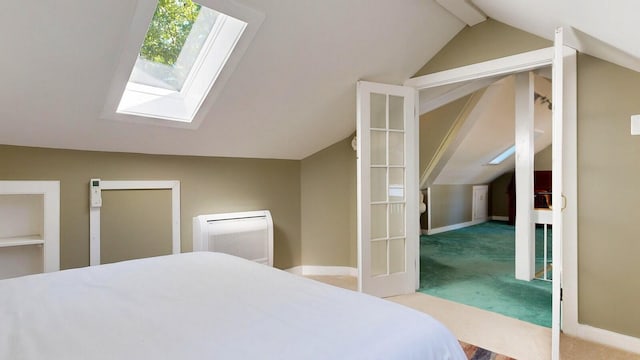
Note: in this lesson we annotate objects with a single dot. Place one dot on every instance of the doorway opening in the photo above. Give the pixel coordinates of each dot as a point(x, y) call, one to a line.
point(468, 249)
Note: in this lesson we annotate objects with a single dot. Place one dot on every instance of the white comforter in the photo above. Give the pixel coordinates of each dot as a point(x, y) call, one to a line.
point(205, 306)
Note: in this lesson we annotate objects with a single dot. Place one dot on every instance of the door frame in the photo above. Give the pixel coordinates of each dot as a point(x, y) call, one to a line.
point(519, 63)
point(94, 210)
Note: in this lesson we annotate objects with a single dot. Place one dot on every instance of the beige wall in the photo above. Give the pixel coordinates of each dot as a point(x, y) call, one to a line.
point(328, 182)
point(135, 224)
point(485, 41)
point(542, 160)
point(208, 185)
point(451, 204)
point(608, 196)
point(608, 172)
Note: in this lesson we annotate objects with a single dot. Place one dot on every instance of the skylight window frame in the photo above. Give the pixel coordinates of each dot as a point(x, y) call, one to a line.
point(175, 107)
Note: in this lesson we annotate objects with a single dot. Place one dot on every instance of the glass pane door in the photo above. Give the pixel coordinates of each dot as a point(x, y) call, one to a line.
point(387, 182)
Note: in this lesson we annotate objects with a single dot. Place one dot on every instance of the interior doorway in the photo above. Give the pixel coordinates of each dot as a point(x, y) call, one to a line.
point(465, 258)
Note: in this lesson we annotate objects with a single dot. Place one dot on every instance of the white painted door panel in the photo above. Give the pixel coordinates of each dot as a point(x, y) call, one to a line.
point(388, 208)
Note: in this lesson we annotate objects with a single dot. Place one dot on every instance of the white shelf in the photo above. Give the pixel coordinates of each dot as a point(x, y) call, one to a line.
point(21, 241)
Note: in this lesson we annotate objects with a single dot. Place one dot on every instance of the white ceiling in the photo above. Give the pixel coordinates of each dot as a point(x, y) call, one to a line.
point(605, 29)
point(293, 92)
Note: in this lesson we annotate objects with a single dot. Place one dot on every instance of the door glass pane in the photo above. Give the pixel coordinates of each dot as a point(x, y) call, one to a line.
point(378, 148)
point(396, 220)
point(396, 184)
point(378, 184)
point(396, 256)
point(378, 221)
point(378, 111)
point(396, 148)
point(379, 257)
point(396, 112)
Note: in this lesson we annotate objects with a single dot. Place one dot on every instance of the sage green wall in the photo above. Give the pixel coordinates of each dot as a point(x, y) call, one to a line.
point(608, 196)
point(328, 182)
point(608, 172)
point(485, 41)
point(543, 159)
point(123, 236)
point(450, 204)
point(208, 185)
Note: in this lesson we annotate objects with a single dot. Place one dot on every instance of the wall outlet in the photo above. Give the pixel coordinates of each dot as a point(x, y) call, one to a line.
point(635, 124)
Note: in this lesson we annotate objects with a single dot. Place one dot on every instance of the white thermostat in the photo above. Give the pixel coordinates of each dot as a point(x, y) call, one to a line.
point(95, 193)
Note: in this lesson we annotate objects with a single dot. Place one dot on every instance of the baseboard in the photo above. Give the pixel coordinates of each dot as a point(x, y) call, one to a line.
point(424, 231)
point(605, 337)
point(500, 218)
point(455, 226)
point(312, 270)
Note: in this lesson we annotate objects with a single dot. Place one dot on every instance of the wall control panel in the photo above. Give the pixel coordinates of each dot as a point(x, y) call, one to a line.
point(95, 193)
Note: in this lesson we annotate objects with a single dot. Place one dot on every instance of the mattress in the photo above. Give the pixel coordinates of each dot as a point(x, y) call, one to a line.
point(206, 305)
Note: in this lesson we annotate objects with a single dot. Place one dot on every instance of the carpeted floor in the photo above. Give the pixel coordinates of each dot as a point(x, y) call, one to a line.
point(475, 266)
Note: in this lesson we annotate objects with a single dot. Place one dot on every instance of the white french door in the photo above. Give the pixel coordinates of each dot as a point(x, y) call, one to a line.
point(388, 209)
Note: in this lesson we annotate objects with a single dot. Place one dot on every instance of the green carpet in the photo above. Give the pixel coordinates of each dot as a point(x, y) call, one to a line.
point(475, 266)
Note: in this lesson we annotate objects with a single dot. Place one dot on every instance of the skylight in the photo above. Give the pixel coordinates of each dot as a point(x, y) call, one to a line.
point(188, 50)
point(512, 150)
point(503, 156)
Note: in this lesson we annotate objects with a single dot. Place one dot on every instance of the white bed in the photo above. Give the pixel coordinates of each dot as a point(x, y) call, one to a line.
point(204, 306)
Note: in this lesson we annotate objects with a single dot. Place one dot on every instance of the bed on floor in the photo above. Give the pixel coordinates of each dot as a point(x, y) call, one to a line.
point(206, 305)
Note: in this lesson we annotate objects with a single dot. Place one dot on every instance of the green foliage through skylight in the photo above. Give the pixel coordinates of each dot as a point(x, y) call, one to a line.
point(168, 31)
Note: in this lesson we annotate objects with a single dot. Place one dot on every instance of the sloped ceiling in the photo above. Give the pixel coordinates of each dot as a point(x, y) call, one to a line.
point(604, 29)
point(292, 94)
point(492, 130)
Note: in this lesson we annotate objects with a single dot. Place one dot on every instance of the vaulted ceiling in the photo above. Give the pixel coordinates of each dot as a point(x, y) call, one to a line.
point(292, 93)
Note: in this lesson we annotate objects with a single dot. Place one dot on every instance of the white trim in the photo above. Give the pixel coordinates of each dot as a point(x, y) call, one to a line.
point(499, 67)
point(316, 270)
point(50, 191)
point(499, 218)
point(524, 160)
point(429, 224)
point(605, 337)
point(455, 226)
point(94, 212)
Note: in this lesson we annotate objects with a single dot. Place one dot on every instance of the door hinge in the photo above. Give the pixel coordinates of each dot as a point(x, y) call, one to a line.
point(561, 294)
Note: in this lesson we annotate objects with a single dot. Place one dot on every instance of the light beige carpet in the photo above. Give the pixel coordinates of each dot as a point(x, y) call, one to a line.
point(511, 337)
